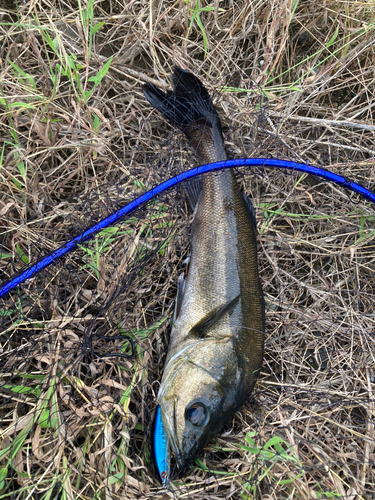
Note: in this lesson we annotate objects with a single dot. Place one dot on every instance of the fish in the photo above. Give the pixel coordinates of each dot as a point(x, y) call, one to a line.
point(217, 337)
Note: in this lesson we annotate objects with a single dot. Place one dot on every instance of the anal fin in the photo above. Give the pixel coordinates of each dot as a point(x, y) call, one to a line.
point(180, 295)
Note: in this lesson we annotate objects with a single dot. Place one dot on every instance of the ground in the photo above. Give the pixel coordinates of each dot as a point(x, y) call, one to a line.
point(290, 79)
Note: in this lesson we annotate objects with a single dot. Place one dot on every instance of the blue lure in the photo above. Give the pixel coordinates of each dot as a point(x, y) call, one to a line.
point(161, 448)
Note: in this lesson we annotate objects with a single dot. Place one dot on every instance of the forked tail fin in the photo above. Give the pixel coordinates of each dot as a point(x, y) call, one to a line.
point(189, 107)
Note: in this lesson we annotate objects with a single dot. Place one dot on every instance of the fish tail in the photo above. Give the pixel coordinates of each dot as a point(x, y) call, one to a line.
point(189, 107)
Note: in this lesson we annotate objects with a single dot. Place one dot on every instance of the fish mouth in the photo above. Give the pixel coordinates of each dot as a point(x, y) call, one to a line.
point(183, 461)
point(170, 425)
point(182, 458)
point(185, 458)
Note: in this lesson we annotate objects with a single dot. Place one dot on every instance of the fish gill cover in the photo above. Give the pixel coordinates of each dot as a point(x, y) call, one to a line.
point(78, 140)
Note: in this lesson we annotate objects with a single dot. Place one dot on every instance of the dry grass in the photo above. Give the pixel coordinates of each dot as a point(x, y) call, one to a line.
point(292, 79)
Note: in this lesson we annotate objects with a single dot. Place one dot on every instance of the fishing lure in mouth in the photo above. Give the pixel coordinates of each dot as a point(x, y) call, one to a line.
point(161, 448)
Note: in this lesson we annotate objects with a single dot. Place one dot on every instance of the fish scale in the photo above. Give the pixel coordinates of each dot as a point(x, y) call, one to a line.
point(217, 337)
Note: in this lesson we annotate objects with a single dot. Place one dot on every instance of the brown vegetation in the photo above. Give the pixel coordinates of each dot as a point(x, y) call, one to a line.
point(291, 79)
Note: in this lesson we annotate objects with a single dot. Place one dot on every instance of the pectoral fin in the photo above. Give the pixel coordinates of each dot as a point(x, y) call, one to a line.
point(201, 328)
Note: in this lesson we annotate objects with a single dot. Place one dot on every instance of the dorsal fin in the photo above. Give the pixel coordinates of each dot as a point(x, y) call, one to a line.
point(201, 328)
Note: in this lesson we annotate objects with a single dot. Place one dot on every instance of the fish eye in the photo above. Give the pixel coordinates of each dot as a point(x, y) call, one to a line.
point(196, 414)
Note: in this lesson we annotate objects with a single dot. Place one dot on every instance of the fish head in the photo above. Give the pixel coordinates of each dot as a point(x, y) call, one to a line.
point(198, 395)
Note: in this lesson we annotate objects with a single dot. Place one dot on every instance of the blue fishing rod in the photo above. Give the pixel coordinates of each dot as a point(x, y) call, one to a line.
point(71, 245)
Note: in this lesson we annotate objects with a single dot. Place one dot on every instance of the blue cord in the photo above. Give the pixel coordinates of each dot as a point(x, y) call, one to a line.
point(33, 269)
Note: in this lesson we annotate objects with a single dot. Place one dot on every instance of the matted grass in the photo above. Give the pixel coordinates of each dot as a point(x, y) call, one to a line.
point(291, 79)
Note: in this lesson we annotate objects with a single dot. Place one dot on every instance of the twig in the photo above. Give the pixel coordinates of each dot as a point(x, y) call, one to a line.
point(327, 123)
